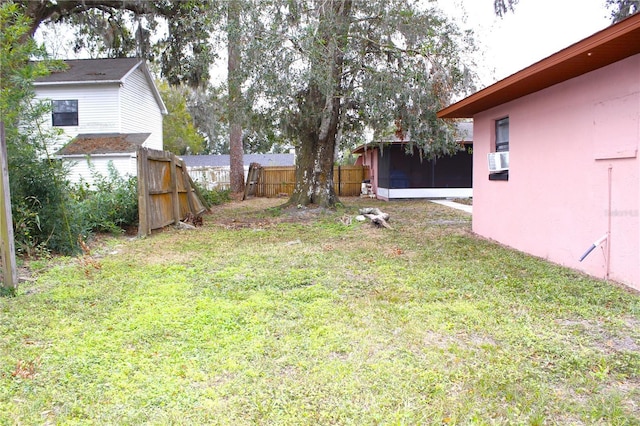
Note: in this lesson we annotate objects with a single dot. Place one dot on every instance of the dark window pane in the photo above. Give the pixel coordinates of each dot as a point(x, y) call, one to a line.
point(65, 119)
point(65, 106)
point(65, 113)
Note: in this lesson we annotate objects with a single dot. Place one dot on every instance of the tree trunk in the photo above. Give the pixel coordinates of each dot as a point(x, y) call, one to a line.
point(234, 81)
point(315, 156)
point(319, 112)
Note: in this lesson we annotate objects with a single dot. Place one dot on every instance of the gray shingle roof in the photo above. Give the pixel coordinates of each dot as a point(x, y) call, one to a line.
point(92, 70)
point(223, 160)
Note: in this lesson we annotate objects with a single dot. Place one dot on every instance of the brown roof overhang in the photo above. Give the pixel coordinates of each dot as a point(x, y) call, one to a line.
point(104, 143)
point(377, 145)
point(610, 45)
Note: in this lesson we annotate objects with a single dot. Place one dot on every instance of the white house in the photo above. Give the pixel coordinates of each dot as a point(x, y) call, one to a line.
point(106, 108)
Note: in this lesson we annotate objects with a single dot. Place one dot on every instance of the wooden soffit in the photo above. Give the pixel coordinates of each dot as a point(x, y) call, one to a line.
point(606, 47)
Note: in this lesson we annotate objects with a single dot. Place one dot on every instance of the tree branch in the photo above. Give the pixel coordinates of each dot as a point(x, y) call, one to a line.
point(43, 11)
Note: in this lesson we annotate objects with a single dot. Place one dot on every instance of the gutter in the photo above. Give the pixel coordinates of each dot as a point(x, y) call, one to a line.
point(68, 83)
point(113, 154)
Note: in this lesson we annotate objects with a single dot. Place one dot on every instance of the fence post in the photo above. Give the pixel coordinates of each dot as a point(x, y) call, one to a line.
point(187, 185)
point(175, 195)
point(144, 228)
point(7, 248)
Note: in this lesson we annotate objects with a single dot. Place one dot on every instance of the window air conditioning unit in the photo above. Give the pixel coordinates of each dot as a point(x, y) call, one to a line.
point(498, 161)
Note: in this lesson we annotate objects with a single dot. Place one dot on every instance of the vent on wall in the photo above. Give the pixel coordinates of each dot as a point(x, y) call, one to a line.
point(498, 161)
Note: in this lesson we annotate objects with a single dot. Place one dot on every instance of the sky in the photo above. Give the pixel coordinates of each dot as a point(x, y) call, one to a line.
point(536, 30)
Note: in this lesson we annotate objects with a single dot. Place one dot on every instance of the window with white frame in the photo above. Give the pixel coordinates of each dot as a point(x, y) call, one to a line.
point(64, 113)
point(499, 160)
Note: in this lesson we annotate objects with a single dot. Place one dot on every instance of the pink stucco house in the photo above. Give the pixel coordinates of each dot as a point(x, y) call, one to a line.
point(569, 126)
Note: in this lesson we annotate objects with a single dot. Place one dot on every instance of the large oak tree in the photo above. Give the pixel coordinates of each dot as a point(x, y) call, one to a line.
point(327, 70)
point(322, 70)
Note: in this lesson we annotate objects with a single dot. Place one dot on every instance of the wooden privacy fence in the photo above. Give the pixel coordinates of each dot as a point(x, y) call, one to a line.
point(275, 181)
point(166, 193)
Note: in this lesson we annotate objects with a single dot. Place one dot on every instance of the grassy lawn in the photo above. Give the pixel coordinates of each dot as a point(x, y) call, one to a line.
point(266, 316)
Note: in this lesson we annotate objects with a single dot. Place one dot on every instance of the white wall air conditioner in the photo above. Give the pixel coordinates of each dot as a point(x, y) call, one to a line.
point(498, 161)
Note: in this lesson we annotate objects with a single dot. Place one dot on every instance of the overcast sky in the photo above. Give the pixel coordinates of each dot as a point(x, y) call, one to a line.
point(537, 29)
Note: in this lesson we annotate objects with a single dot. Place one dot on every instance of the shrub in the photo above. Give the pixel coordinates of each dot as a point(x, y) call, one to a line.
point(213, 196)
point(39, 196)
point(110, 204)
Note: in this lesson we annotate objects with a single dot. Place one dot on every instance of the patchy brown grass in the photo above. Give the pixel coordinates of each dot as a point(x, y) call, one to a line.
point(272, 315)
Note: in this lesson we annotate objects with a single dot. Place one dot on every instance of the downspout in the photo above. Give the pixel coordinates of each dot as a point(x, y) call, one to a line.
point(593, 246)
point(609, 185)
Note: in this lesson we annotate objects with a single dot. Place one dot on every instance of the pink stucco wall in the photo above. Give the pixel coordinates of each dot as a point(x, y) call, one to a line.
point(370, 158)
point(574, 173)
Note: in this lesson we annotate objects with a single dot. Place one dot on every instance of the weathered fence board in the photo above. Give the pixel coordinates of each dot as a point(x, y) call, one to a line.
point(348, 179)
point(253, 176)
point(276, 181)
point(165, 191)
point(7, 243)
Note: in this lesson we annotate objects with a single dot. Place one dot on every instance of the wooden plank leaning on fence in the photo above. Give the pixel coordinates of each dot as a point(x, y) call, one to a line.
point(165, 191)
point(7, 246)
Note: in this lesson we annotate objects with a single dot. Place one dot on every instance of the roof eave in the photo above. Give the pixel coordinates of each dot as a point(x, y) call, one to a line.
point(590, 54)
point(152, 84)
point(103, 154)
point(75, 82)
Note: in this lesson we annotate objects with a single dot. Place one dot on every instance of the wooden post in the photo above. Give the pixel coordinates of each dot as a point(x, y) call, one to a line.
point(195, 189)
point(175, 195)
point(187, 184)
point(144, 227)
point(7, 246)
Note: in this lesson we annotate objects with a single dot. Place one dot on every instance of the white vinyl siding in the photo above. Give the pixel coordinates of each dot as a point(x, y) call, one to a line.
point(140, 110)
point(81, 170)
point(126, 106)
point(98, 107)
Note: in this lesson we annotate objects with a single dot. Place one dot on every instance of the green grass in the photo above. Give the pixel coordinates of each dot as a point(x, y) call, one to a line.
point(273, 316)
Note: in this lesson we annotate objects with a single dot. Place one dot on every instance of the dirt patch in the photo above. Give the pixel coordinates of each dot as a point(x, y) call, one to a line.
point(465, 201)
point(261, 213)
point(417, 216)
point(421, 218)
point(604, 340)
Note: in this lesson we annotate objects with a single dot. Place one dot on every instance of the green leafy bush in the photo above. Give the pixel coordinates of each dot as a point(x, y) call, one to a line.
point(213, 196)
point(39, 195)
point(110, 205)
